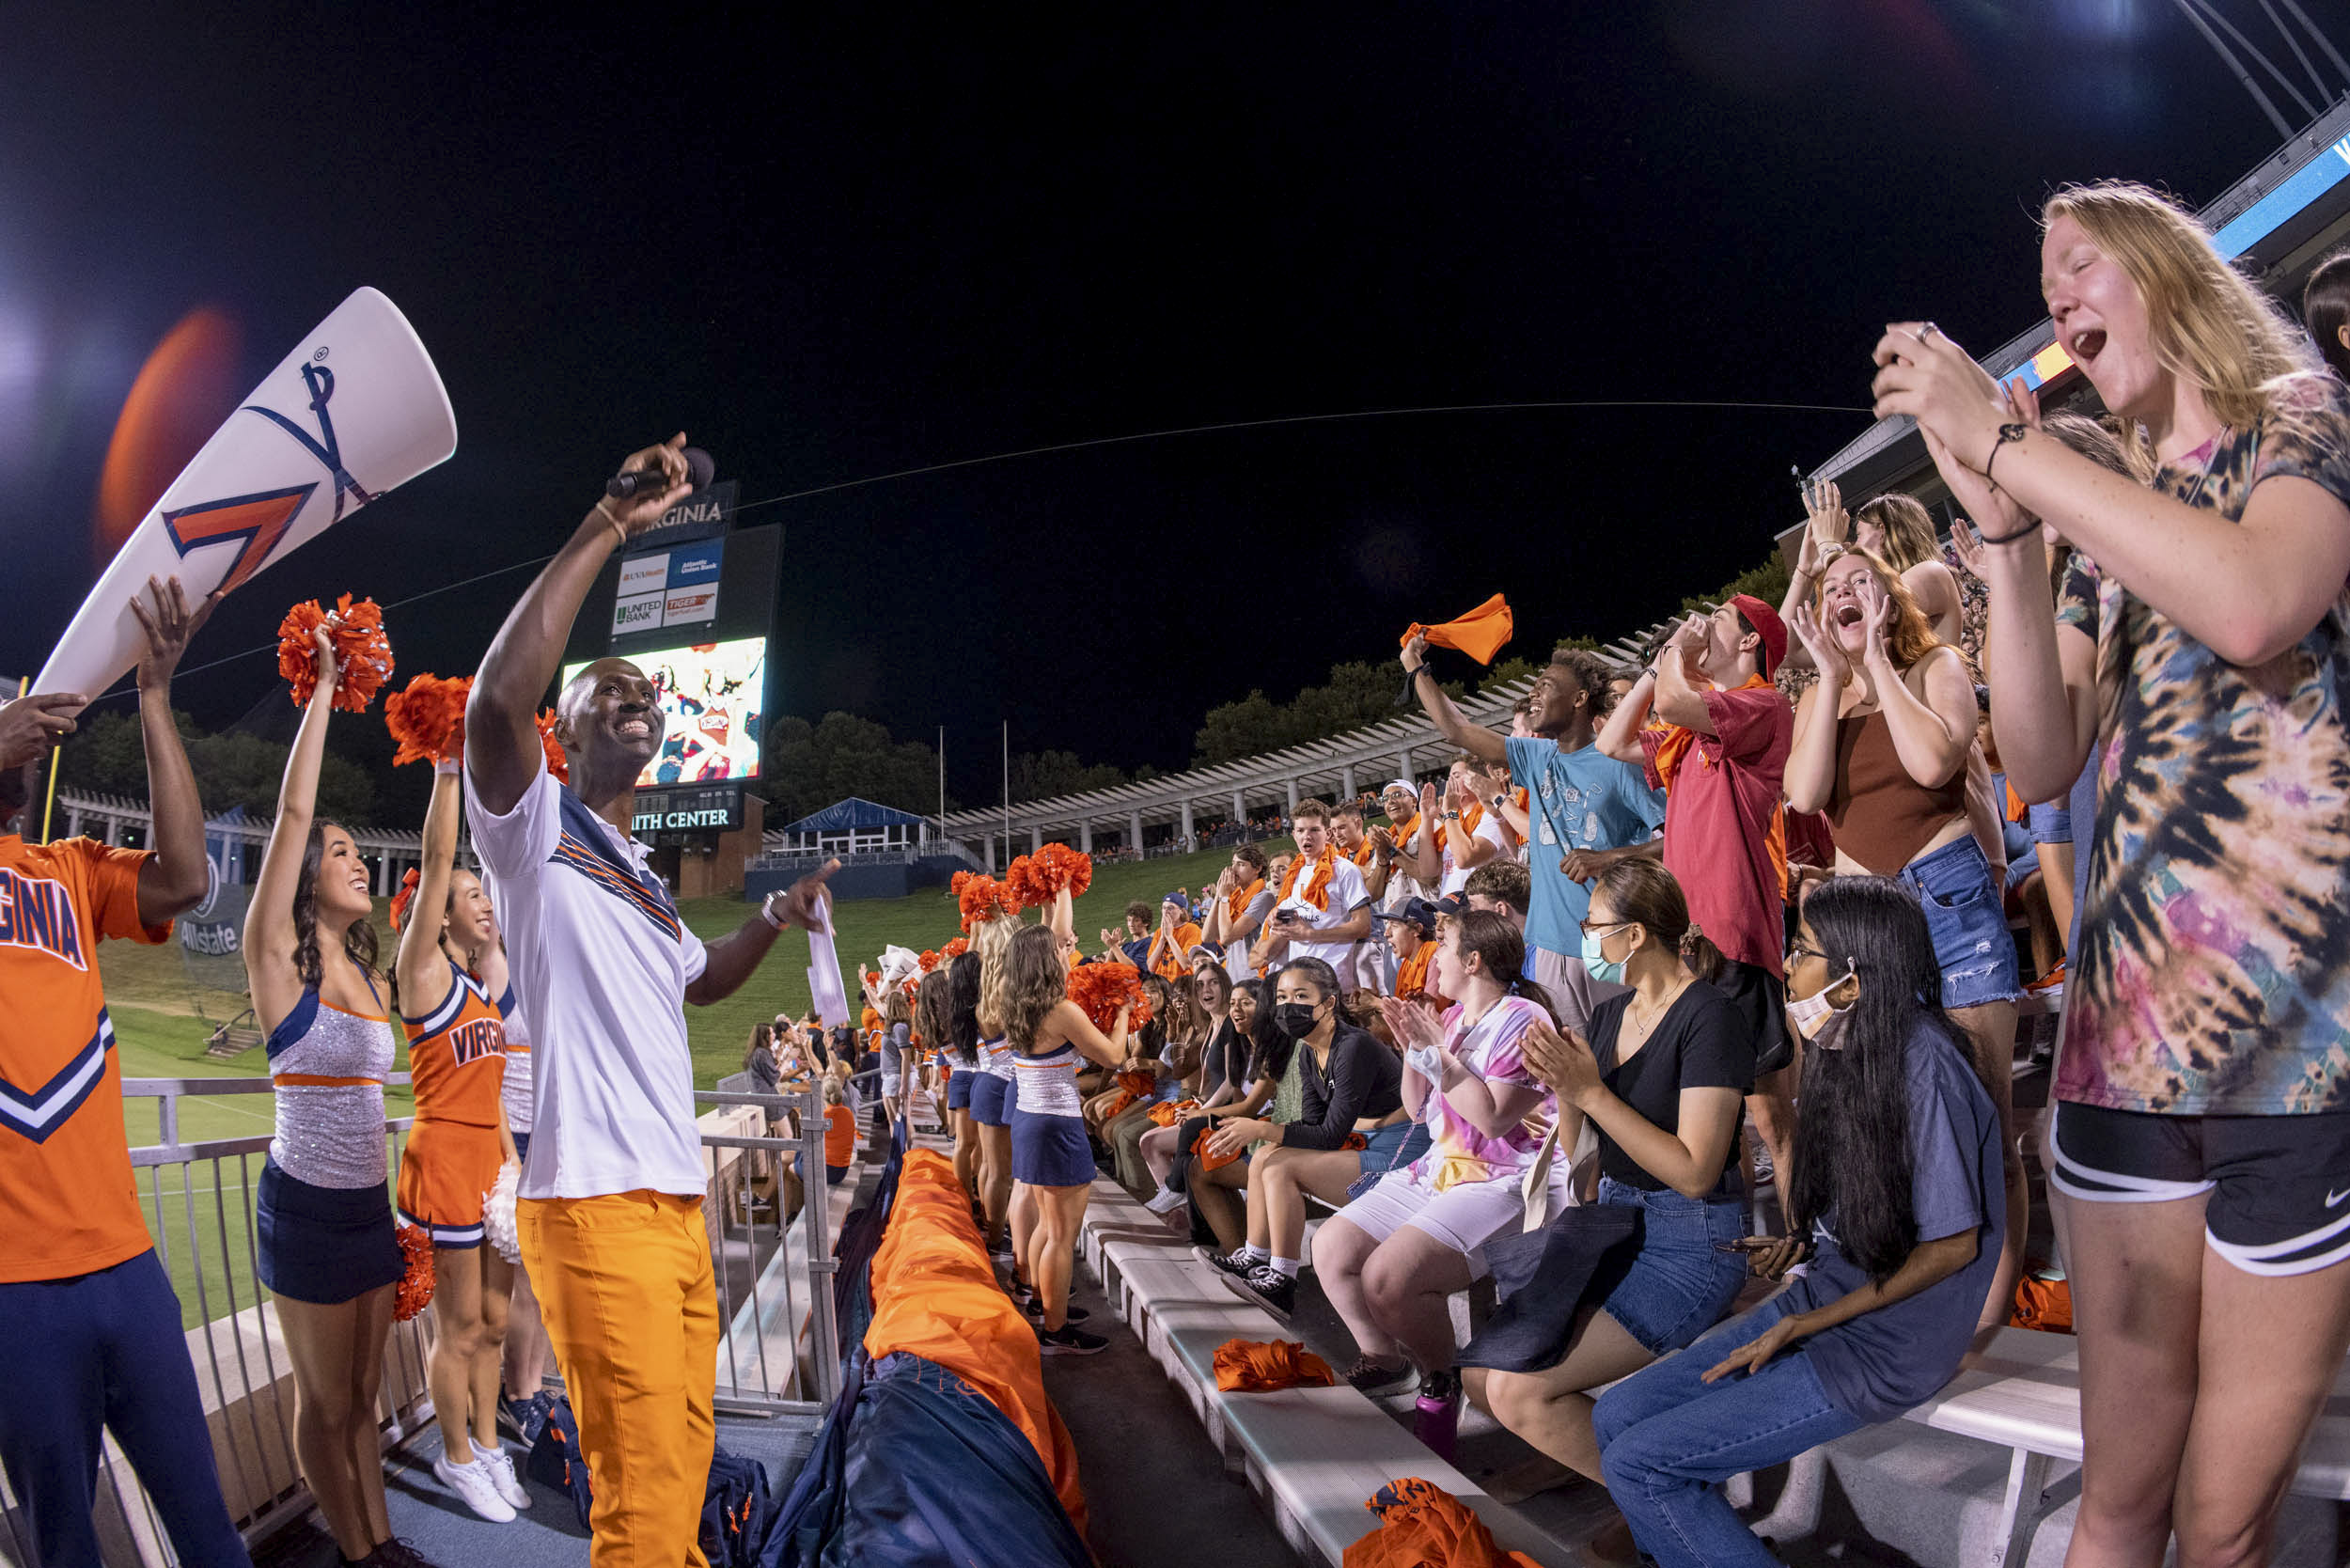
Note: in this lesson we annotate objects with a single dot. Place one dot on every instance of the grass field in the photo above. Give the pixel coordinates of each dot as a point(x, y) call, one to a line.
point(160, 1033)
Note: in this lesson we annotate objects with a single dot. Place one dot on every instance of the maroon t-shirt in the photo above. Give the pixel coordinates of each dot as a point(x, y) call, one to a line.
point(1721, 809)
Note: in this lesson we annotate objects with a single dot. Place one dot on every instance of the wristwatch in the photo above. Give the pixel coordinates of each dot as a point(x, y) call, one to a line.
point(1496, 801)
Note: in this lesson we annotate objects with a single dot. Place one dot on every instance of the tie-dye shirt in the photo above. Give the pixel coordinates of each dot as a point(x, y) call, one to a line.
point(2212, 974)
point(1457, 1151)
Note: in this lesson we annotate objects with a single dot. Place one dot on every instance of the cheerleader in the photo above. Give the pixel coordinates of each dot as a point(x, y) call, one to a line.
point(457, 1059)
point(323, 1212)
point(1051, 1164)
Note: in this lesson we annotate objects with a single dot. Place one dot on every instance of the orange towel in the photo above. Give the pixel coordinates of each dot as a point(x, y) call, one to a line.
point(1200, 1147)
point(1258, 1367)
point(935, 1296)
point(1168, 1112)
point(1423, 1525)
point(1134, 1087)
point(1479, 633)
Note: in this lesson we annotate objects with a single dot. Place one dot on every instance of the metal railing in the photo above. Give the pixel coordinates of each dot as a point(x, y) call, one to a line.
point(780, 1353)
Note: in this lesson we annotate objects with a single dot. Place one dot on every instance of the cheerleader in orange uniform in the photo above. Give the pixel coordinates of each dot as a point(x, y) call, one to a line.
point(457, 1061)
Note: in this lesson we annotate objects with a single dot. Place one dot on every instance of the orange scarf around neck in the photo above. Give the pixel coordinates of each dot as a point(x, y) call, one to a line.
point(1236, 902)
point(1318, 889)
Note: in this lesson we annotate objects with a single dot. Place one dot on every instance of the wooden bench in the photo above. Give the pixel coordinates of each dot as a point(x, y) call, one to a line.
point(2023, 1393)
point(1314, 1456)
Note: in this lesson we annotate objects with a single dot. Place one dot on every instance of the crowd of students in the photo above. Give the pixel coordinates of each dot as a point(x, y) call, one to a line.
point(1756, 886)
point(1764, 885)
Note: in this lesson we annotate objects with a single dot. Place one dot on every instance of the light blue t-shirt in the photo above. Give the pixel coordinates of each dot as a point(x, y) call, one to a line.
point(1581, 800)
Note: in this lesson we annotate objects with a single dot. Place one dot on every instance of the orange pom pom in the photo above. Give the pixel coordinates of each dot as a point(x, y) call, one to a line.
point(957, 948)
point(1035, 879)
point(558, 764)
point(982, 897)
point(428, 719)
point(415, 1286)
point(928, 961)
point(401, 900)
point(1102, 989)
point(363, 655)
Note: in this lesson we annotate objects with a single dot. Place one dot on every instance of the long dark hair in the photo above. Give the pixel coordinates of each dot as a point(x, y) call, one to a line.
point(1495, 937)
point(1852, 1132)
point(358, 941)
point(962, 1007)
point(929, 1010)
point(1268, 1048)
point(1039, 982)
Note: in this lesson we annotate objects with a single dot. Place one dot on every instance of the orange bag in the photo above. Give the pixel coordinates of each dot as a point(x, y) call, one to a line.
point(1423, 1525)
point(2043, 1303)
point(1258, 1367)
point(935, 1296)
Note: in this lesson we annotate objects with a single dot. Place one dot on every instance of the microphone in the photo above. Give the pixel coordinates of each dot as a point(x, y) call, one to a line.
point(651, 481)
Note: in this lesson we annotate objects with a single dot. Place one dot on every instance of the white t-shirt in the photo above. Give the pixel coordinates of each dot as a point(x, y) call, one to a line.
point(601, 961)
point(1346, 895)
point(1489, 828)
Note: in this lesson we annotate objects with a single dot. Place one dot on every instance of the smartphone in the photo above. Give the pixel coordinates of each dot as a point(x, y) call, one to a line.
point(1744, 1244)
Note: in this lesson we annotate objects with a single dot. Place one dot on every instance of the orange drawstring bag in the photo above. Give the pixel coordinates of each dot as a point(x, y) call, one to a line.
point(1423, 1525)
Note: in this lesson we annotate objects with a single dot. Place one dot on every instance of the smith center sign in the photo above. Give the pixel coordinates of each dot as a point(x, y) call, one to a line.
point(676, 587)
point(686, 809)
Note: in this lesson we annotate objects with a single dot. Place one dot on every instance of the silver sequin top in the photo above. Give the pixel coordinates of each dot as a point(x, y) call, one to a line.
point(328, 1068)
point(1048, 1084)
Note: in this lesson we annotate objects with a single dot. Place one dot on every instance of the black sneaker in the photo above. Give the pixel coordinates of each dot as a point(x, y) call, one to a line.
point(397, 1553)
point(1237, 1263)
point(1377, 1378)
point(1269, 1288)
point(1035, 1309)
point(1069, 1340)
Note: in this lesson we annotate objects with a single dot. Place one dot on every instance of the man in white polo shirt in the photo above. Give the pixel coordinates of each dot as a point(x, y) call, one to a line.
point(610, 1210)
point(1320, 908)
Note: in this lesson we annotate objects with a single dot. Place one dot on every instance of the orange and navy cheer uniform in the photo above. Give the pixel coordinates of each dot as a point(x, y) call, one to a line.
point(457, 1061)
point(92, 1323)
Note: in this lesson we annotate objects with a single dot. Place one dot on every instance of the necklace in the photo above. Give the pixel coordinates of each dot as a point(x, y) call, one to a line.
point(1645, 1024)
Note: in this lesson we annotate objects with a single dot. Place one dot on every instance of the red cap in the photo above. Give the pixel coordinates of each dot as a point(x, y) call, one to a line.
point(1766, 620)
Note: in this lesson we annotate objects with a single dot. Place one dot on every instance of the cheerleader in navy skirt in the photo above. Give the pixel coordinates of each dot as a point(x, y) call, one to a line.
point(1052, 1162)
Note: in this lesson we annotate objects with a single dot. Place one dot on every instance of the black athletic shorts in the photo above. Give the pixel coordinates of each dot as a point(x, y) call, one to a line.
point(2278, 1187)
point(1760, 999)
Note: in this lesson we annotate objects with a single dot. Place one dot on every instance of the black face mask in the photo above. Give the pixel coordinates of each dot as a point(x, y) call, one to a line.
point(1295, 1020)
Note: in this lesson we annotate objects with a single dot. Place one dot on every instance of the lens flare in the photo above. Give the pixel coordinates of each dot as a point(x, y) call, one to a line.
point(188, 385)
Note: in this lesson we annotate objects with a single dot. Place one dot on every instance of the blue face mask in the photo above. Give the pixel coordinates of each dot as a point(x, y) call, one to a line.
point(1609, 971)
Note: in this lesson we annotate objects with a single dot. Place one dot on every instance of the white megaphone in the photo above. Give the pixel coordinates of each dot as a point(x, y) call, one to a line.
point(355, 411)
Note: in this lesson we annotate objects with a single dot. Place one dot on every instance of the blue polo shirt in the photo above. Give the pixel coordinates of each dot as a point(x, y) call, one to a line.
point(1581, 800)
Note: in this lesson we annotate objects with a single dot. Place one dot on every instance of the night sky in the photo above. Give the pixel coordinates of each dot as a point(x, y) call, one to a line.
point(834, 247)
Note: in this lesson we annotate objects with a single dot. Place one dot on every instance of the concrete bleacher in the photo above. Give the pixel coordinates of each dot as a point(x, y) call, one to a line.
point(1313, 1456)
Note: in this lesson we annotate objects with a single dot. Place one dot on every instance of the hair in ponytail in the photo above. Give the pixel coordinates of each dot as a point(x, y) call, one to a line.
point(1494, 938)
point(1647, 895)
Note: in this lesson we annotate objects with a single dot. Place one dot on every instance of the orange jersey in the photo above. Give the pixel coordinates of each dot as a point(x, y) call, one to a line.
point(840, 1135)
point(456, 1055)
point(69, 1204)
point(714, 723)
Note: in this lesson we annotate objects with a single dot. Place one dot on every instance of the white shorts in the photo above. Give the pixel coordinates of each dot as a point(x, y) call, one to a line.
point(1462, 1217)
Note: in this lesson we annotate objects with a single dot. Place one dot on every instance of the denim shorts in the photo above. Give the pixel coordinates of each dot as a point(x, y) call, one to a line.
point(1967, 920)
point(2051, 823)
point(1681, 1283)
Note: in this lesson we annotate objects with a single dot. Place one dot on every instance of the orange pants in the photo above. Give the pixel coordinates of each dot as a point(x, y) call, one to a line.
point(631, 1309)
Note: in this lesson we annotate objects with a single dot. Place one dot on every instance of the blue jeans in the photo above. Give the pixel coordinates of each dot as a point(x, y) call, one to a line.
point(1681, 1283)
point(1669, 1440)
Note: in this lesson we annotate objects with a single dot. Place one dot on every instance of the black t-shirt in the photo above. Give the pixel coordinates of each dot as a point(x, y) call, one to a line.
point(1364, 1078)
point(1702, 1042)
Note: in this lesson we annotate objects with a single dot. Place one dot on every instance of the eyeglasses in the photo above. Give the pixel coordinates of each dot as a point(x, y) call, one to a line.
point(1600, 928)
point(1799, 951)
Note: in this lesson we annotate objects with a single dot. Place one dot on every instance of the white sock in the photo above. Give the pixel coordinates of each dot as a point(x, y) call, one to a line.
point(1253, 1254)
point(1287, 1265)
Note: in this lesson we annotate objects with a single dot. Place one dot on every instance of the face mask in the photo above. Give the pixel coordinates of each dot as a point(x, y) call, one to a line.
point(1609, 971)
point(1295, 1020)
point(1820, 1021)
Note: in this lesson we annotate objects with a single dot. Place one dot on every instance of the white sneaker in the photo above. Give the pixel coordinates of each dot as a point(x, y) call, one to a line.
point(474, 1487)
point(1162, 1202)
point(502, 1474)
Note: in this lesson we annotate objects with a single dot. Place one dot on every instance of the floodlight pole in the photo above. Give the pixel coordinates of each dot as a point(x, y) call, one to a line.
point(1007, 792)
point(2242, 75)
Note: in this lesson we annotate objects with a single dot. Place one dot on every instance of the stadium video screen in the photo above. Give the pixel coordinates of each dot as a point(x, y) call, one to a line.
point(711, 702)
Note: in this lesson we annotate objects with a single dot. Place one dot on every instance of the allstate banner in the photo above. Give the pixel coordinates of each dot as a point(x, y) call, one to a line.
point(356, 409)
